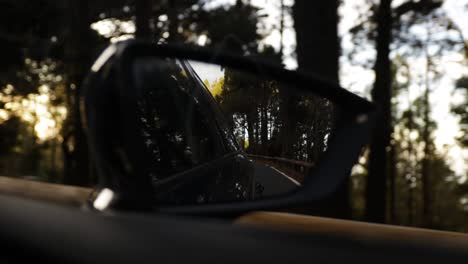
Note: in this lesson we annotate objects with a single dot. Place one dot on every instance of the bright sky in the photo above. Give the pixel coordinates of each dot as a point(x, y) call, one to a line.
point(206, 71)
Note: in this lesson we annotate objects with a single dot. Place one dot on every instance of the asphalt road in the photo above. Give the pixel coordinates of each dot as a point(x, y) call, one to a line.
point(274, 181)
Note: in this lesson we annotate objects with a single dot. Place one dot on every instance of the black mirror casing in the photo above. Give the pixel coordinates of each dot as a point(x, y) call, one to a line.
point(109, 103)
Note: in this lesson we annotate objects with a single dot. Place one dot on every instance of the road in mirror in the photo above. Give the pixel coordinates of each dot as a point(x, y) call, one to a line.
point(214, 134)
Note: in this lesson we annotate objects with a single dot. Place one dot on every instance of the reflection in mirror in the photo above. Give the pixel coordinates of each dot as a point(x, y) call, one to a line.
point(215, 134)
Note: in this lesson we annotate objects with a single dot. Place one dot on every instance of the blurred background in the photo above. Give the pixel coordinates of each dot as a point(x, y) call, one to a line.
point(407, 56)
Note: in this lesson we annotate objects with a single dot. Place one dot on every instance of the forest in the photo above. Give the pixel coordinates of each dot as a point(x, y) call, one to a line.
point(409, 57)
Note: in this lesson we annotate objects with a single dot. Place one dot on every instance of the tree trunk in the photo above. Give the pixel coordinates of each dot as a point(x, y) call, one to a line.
point(318, 50)
point(426, 138)
point(376, 191)
point(264, 129)
point(80, 52)
point(410, 204)
point(281, 49)
point(251, 133)
point(173, 22)
point(288, 122)
point(391, 182)
point(257, 112)
point(142, 22)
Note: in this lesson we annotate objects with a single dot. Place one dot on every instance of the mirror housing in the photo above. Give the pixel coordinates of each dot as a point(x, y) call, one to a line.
point(108, 105)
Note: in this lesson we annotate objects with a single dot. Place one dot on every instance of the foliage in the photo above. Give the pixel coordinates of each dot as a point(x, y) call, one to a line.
point(216, 88)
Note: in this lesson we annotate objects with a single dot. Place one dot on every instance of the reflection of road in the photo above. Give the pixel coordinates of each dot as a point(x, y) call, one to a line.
point(273, 181)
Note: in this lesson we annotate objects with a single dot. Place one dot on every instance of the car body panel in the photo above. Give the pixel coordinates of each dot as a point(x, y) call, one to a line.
point(42, 191)
point(352, 229)
point(55, 234)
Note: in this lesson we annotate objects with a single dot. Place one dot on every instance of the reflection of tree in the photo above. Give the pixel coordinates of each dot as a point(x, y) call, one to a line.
point(176, 128)
point(271, 119)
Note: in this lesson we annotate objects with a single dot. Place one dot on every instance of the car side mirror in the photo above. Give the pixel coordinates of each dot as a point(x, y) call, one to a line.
point(186, 130)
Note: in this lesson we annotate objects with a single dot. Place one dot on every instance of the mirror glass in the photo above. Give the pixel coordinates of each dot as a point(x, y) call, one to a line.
point(216, 134)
